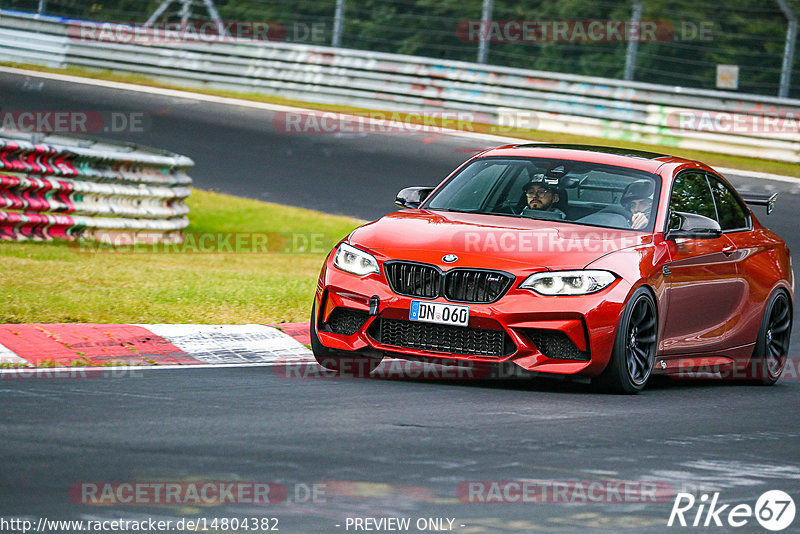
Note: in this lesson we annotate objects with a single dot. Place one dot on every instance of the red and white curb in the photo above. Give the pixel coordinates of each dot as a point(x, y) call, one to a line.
point(162, 345)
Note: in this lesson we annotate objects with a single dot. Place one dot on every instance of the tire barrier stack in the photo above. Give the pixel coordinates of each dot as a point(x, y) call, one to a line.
point(510, 99)
point(57, 187)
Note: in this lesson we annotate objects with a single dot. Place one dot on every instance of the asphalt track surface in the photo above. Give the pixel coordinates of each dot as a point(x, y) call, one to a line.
point(380, 447)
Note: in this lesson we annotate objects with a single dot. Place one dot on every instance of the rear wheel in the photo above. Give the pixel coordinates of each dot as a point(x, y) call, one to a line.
point(345, 363)
point(634, 347)
point(772, 346)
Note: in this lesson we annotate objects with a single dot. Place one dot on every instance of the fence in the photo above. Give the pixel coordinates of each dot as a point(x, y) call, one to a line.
point(66, 188)
point(745, 125)
point(693, 37)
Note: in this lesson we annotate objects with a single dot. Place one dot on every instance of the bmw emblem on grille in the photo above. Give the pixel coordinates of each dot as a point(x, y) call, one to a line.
point(449, 258)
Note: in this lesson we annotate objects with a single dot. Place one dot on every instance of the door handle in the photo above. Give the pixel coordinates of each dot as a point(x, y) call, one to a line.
point(728, 250)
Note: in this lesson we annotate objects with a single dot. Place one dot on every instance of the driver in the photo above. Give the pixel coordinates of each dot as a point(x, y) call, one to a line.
point(541, 196)
point(638, 199)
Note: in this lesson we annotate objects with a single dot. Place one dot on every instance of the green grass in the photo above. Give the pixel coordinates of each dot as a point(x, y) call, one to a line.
point(711, 158)
point(51, 282)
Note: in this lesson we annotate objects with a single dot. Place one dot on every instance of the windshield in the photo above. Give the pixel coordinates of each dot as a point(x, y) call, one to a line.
point(549, 189)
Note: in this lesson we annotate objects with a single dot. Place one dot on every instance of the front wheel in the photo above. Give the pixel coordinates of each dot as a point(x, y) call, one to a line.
point(344, 363)
point(634, 347)
point(772, 346)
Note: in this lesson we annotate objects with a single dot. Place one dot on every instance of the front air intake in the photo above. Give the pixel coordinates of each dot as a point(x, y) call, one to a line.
point(346, 321)
point(444, 338)
point(556, 345)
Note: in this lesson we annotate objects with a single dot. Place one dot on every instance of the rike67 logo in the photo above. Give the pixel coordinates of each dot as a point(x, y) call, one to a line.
point(774, 510)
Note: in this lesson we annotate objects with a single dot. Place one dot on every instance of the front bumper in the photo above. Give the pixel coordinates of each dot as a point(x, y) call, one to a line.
point(562, 335)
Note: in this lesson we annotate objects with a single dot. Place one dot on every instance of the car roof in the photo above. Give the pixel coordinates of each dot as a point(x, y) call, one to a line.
point(621, 157)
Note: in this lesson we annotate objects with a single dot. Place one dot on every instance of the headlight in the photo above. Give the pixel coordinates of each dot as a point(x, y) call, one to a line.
point(568, 282)
point(355, 261)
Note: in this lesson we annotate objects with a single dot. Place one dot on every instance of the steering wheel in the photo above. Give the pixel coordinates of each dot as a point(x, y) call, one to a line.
point(506, 207)
point(619, 210)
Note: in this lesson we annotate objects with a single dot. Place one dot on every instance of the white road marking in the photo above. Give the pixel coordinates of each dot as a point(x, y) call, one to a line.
point(220, 344)
point(6, 356)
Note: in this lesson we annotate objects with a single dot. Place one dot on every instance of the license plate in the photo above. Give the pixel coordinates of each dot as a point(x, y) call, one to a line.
point(436, 312)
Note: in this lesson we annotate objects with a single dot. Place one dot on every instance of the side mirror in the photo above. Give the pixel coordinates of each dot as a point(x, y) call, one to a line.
point(412, 197)
point(692, 225)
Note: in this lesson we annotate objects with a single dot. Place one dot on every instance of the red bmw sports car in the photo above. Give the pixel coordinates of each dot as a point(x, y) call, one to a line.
point(602, 263)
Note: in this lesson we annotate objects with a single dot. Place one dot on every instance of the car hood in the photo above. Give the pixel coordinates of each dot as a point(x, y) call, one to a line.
point(490, 241)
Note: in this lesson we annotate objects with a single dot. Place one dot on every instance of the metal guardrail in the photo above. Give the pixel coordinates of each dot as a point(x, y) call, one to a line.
point(716, 121)
point(55, 187)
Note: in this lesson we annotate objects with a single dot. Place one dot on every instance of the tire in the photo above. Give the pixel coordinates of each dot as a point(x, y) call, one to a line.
point(344, 363)
point(635, 345)
point(772, 345)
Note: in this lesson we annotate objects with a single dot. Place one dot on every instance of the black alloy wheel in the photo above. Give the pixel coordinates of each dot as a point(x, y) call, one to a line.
point(635, 346)
point(772, 346)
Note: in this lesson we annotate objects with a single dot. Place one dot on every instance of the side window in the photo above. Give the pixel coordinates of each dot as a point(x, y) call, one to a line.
point(732, 215)
point(691, 194)
point(470, 191)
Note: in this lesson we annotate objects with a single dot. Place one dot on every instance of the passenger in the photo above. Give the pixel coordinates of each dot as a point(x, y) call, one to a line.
point(638, 199)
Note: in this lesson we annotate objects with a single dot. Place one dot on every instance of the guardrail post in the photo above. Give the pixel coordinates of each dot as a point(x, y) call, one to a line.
point(42, 7)
point(633, 39)
point(186, 13)
point(338, 24)
point(788, 50)
point(483, 41)
point(157, 13)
